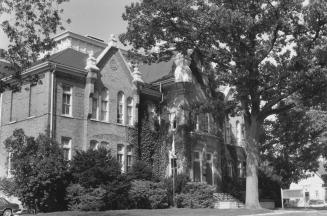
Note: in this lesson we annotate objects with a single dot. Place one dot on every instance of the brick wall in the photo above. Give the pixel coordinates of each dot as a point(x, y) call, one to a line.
point(33, 124)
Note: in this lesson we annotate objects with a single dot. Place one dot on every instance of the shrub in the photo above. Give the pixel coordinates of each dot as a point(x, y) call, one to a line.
point(40, 171)
point(117, 193)
point(196, 195)
point(93, 168)
point(140, 170)
point(147, 194)
point(7, 186)
point(180, 182)
point(82, 199)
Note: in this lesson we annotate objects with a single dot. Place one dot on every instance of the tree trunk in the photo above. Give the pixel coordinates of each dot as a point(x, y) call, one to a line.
point(252, 129)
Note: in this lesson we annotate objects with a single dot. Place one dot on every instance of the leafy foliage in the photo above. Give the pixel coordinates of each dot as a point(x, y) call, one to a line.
point(196, 195)
point(92, 168)
point(82, 199)
point(181, 180)
point(141, 170)
point(29, 25)
point(7, 186)
point(270, 52)
point(147, 194)
point(39, 171)
point(97, 174)
point(296, 141)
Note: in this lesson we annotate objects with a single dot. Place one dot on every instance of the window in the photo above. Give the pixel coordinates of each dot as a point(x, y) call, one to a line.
point(229, 169)
point(66, 143)
point(209, 176)
point(205, 122)
point(240, 170)
point(120, 155)
point(95, 106)
point(130, 111)
point(197, 126)
point(120, 108)
point(67, 100)
point(196, 167)
point(129, 158)
point(93, 144)
point(228, 133)
point(104, 105)
point(244, 169)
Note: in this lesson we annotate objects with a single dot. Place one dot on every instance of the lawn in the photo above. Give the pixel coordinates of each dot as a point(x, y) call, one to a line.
point(163, 212)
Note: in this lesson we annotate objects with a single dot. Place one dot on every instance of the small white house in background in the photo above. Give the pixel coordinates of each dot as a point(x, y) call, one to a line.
point(313, 188)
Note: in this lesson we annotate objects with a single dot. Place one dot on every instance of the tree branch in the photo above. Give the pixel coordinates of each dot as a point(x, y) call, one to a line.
point(278, 110)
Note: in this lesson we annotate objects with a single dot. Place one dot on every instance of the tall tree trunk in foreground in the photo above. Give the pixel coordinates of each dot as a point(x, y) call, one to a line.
point(252, 130)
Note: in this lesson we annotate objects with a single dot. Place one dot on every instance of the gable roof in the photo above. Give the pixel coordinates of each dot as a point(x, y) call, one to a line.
point(70, 57)
point(156, 71)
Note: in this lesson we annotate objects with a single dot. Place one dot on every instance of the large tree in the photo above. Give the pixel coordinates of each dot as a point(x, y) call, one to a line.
point(29, 26)
point(294, 142)
point(271, 51)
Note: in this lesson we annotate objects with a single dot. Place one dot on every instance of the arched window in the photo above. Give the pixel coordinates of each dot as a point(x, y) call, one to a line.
point(120, 108)
point(129, 111)
point(93, 144)
point(104, 105)
point(95, 105)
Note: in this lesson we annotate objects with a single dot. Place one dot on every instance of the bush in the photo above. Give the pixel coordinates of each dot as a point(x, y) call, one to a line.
point(196, 195)
point(39, 171)
point(140, 170)
point(180, 182)
point(99, 175)
point(93, 168)
point(148, 195)
point(82, 199)
point(117, 193)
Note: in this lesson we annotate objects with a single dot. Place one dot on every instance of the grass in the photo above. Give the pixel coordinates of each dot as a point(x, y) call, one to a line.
point(162, 212)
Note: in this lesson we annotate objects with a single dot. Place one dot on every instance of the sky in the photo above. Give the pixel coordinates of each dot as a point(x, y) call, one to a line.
point(98, 18)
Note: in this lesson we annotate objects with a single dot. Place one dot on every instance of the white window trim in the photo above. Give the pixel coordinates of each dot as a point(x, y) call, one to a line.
point(211, 162)
point(201, 165)
point(122, 152)
point(129, 153)
point(131, 104)
point(67, 146)
point(106, 119)
point(123, 108)
point(70, 114)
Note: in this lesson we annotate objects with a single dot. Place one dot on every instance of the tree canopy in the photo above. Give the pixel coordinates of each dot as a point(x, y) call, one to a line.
point(39, 170)
point(272, 52)
point(29, 26)
point(295, 141)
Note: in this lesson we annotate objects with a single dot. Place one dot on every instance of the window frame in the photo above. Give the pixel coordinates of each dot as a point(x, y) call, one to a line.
point(129, 157)
point(120, 107)
point(121, 153)
point(130, 111)
point(70, 105)
point(67, 146)
point(104, 98)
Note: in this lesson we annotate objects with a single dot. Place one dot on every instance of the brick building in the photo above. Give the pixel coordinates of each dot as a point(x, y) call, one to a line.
point(89, 94)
